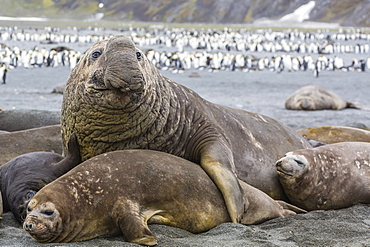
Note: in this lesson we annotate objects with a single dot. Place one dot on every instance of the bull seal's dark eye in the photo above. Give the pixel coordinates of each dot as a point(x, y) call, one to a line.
point(138, 55)
point(30, 194)
point(95, 54)
point(48, 212)
point(299, 162)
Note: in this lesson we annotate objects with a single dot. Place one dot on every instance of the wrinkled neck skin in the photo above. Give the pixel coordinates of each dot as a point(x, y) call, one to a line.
point(130, 105)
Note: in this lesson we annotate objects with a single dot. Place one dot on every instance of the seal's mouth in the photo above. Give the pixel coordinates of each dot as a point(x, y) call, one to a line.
point(281, 171)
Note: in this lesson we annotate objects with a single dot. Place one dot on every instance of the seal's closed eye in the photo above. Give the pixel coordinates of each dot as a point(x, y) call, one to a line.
point(48, 212)
point(299, 162)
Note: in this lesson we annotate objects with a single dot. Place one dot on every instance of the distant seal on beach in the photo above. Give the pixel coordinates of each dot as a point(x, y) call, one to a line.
point(328, 177)
point(334, 134)
point(24, 175)
point(116, 99)
point(59, 89)
point(121, 192)
point(16, 120)
point(312, 98)
point(13, 144)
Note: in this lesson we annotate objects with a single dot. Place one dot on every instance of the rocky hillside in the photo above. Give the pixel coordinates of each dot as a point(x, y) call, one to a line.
point(345, 12)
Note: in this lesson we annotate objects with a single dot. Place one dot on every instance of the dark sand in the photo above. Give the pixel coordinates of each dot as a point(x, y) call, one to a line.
point(263, 92)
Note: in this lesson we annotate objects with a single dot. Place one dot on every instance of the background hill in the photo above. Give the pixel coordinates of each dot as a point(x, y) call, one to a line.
point(344, 12)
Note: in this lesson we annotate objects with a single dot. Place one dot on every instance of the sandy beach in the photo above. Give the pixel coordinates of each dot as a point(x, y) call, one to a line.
point(263, 92)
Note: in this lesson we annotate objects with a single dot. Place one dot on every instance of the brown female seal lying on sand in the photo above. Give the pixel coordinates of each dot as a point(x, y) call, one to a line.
point(328, 177)
point(121, 192)
point(116, 99)
point(334, 134)
point(313, 98)
point(14, 144)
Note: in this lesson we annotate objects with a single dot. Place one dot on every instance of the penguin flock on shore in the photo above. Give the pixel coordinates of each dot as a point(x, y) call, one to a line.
point(179, 49)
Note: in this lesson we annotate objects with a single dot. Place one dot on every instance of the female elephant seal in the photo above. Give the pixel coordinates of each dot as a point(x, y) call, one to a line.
point(312, 98)
point(116, 99)
point(24, 175)
point(121, 192)
point(334, 134)
point(328, 177)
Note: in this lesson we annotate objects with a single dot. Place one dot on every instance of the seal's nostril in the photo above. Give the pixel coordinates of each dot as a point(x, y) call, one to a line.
point(28, 226)
point(278, 163)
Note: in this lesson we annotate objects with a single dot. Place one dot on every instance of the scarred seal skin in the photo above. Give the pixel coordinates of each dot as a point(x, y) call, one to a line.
point(23, 176)
point(121, 192)
point(116, 99)
point(328, 177)
point(313, 98)
point(335, 134)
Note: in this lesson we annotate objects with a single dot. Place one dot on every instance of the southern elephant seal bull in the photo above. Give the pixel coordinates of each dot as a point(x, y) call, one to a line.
point(334, 134)
point(24, 175)
point(121, 192)
point(328, 177)
point(116, 99)
point(46, 139)
point(312, 98)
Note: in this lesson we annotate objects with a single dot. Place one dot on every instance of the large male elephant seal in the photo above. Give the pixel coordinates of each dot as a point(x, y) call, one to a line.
point(121, 192)
point(328, 177)
point(24, 175)
point(311, 98)
point(116, 99)
point(334, 134)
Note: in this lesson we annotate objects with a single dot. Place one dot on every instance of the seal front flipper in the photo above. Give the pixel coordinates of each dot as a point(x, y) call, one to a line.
point(72, 159)
point(291, 207)
point(133, 223)
point(216, 160)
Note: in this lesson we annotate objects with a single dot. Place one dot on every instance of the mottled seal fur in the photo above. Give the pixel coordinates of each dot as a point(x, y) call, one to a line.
point(121, 192)
point(24, 175)
point(312, 98)
point(116, 99)
point(46, 139)
point(334, 134)
point(328, 177)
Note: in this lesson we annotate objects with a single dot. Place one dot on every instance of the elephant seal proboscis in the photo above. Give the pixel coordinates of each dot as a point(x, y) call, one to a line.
point(14, 144)
point(116, 99)
point(121, 192)
point(334, 134)
point(328, 177)
point(313, 98)
point(24, 175)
